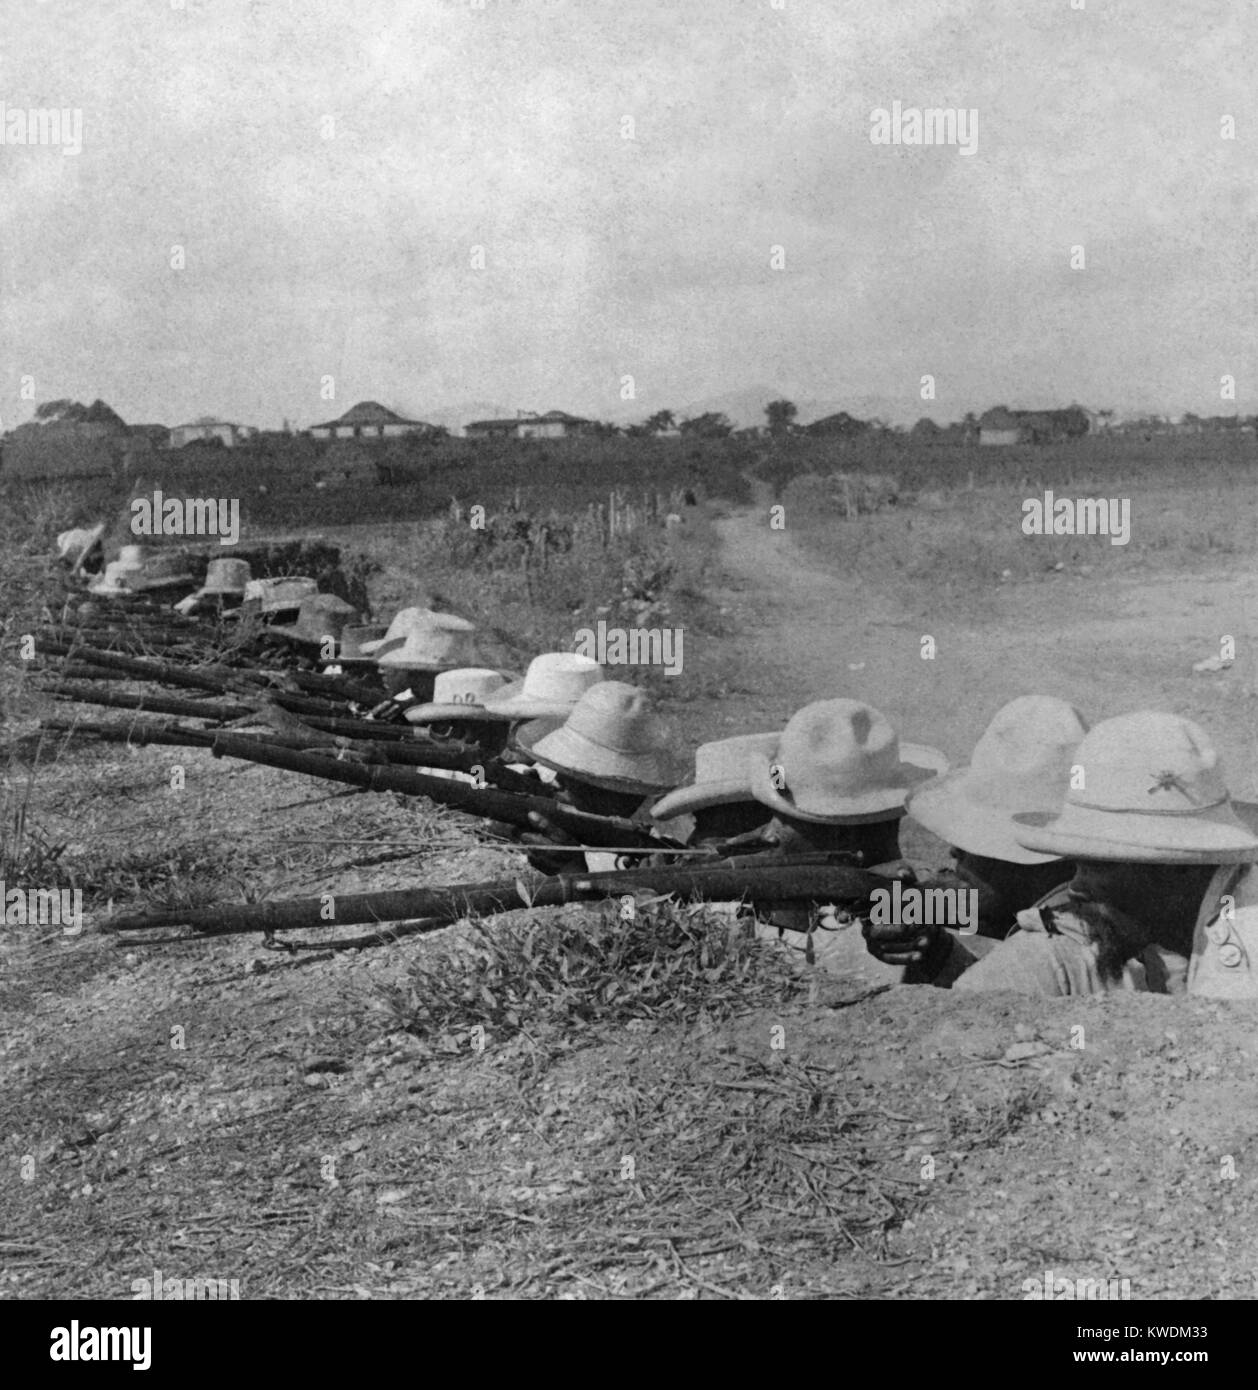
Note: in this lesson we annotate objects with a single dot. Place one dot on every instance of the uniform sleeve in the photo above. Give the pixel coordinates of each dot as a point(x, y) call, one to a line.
point(1031, 963)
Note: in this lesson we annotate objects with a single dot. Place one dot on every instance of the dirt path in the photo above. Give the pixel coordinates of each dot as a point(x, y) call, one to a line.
point(815, 630)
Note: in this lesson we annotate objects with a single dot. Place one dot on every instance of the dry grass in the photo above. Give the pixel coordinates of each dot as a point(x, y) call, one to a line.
point(554, 974)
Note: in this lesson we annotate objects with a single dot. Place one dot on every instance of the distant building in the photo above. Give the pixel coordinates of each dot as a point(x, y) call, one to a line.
point(208, 427)
point(840, 425)
point(555, 424)
point(370, 420)
point(1003, 426)
point(999, 426)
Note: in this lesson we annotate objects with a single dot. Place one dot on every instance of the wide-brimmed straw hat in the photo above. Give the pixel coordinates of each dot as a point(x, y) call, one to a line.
point(353, 635)
point(551, 688)
point(263, 597)
point(73, 545)
point(440, 642)
point(839, 762)
point(223, 579)
point(722, 775)
point(460, 694)
point(612, 739)
point(405, 621)
point(120, 574)
point(1021, 763)
point(1153, 793)
point(319, 617)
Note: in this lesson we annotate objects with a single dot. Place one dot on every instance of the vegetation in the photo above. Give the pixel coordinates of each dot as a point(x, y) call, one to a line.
point(561, 971)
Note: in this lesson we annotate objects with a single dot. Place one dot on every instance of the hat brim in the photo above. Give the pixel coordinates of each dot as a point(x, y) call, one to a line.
point(408, 663)
point(575, 756)
point(440, 714)
point(1216, 835)
point(918, 763)
point(700, 796)
point(101, 587)
point(512, 703)
point(943, 807)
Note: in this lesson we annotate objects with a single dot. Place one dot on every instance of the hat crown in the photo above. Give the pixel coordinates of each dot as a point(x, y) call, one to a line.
point(435, 639)
point(324, 615)
point(725, 759)
point(466, 685)
point(839, 748)
point(1151, 763)
point(230, 574)
point(616, 716)
point(164, 563)
point(131, 556)
point(407, 620)
point(1026, 751)
point(286, 592)
point(561, 676)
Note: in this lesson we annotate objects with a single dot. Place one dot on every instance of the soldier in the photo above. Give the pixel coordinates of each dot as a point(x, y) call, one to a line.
point(609, 755)
point(1022, 761)
point(718, 804)
point(837, 781)
point(1164, 896)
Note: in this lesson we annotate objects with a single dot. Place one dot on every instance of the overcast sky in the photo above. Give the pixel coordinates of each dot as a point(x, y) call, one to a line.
point(501, 127)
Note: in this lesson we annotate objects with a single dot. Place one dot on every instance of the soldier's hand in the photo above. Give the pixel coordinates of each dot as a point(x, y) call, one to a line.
point(545, 834)
point(894, 944)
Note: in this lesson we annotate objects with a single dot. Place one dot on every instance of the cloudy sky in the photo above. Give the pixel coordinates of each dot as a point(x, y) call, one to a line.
point(456, 126)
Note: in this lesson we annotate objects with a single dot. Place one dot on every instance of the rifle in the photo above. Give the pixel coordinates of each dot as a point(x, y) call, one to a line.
point(455, 757)
point(808, 879)
point(222, 680)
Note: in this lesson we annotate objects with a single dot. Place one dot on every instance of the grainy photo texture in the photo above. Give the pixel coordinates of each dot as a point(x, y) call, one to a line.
point(628, 654)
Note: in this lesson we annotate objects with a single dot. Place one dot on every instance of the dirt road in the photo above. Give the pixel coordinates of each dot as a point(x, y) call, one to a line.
point(815, 628)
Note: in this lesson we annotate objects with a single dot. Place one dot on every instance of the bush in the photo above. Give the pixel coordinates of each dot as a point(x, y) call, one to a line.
point(578, 970)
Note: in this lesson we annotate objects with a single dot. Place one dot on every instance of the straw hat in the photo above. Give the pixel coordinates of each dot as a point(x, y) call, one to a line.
point(120, 574)
point(460, 694)
point(319, 617)
point(841, 763)
point(226, 577)
point(223, 579)
point(353, 635)
point(551, 687)
point(722, 775)
point(266, 596)
point(405, 621)
point(162, 569)
point(73, 546)
point(612, 739)
point(439, 643)
point(1154, 793)
point(1021, 763)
